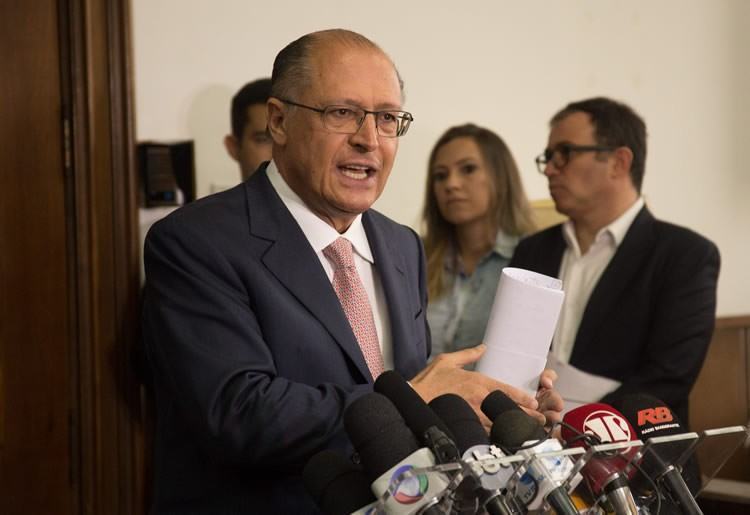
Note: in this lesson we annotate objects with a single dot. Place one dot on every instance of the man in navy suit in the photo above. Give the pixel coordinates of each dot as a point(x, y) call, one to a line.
point(254, 358)
point(640, 293)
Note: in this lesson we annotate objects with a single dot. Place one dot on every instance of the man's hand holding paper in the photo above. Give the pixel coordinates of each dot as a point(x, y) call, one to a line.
point(446, 373)
point(519, 332)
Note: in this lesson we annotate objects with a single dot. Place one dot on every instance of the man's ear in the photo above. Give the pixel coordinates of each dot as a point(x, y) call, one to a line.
point(277, 115)
point(232, 146)
point(623, 161)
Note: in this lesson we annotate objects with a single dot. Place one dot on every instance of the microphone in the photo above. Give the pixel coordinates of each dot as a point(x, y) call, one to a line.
point(544, 479)
point(488, 477)
point(336, 484)
point(388, 449)
point(604, 476)
point(430, 430)
point(651, 417)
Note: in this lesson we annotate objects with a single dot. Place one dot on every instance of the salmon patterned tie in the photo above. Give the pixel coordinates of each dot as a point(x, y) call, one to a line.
point(353, 297)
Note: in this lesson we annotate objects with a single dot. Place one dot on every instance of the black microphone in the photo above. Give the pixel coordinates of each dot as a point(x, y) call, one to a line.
point(544, 480)
point(650, 417)
point(336, 484)
point(489, 477)
point(387, 450)
point(430, 430)
point(518, 427)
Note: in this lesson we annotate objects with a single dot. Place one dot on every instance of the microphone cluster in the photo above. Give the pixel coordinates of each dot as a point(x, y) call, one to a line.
point(415, 458)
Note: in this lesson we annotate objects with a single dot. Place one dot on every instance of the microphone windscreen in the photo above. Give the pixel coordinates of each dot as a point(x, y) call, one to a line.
point(336, 484)
point(608, 425)
point(418, 416)
point(601, 420)
point(650, 416)
point(461, 420)
point(497, 403)
point(514, 427)
point(378, 433)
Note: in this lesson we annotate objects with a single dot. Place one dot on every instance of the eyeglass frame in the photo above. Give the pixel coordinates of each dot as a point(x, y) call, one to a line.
point(404, 118)
point(565, 149)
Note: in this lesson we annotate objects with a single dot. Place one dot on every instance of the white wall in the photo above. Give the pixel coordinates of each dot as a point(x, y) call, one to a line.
point(509, 65)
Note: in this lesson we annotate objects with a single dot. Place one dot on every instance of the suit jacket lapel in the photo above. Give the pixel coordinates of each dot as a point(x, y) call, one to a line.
point(291, 259)
point(550, 260)
point(617, 276)
point(389, 262)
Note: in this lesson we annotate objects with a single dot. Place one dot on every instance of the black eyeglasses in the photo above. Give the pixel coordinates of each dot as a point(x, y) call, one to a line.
point(560, 155)
point(348, 119)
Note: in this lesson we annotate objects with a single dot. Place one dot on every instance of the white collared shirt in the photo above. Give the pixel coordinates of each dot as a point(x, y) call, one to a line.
point(580, 274)
point(319, 234)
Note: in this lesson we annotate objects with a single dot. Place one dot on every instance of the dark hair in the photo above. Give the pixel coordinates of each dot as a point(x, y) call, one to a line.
point(292, 68)
point(616, 125)
point(509, 207)
point(255, 92)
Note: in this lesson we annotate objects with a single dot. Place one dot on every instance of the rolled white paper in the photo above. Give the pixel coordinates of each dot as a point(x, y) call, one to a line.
point(521, 326)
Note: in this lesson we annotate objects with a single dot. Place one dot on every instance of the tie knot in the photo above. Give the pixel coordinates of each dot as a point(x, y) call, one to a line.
point(340, 253)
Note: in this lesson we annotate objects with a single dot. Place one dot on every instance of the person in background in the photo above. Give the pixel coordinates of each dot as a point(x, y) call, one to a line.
point(640, 293)
point(249, 143)
point(475, 212)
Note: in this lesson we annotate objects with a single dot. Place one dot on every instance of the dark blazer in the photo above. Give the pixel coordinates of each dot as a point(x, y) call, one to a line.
point(254, 361)
point(650, 317)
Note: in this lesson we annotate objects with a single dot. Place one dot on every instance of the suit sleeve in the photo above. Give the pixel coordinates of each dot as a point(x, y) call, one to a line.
point(422, 275)
point(681, 325)
point(213, 369)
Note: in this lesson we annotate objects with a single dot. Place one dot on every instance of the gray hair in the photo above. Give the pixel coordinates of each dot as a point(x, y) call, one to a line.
point(293, 69)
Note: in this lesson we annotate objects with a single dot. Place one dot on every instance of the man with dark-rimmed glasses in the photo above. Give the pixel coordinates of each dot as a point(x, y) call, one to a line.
point(640, 293)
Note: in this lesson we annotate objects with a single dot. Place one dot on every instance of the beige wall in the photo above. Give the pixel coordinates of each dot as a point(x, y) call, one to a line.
point(684, 65)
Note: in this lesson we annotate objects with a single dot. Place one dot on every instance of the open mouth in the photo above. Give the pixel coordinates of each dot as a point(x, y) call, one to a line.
point(357, 172)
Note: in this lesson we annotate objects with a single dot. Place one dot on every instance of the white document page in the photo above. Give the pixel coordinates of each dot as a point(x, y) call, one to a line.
point(520, 329)
point(577, 387)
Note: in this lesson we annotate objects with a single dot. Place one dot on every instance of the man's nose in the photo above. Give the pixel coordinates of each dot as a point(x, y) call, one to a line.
point(366, 136)
point(550, 169)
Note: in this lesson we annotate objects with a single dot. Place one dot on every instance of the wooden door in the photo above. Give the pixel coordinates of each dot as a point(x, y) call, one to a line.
point(70, 422)
point(35, 329)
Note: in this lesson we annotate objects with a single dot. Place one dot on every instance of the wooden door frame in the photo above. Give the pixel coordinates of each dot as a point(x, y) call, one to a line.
point(107, 423)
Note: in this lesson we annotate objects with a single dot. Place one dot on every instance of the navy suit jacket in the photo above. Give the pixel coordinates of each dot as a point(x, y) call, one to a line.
point(650, 317)
point(254, 360)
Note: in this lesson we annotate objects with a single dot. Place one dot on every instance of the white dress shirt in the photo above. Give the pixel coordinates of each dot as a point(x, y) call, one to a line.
point(319, 234)
point(580, 274)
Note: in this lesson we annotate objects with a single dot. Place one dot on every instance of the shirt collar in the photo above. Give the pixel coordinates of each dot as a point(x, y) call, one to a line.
point(619, 228)
point(615, 231)
point(317, 231)
point(505, 244)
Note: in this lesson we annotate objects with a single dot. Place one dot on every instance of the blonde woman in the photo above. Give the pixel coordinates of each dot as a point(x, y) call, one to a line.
point(475, 213)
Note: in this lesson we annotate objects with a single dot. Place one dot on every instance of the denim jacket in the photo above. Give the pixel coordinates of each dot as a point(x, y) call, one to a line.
point(458, 318)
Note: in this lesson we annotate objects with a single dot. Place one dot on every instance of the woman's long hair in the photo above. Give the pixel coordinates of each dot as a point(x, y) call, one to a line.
point(509, 207)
